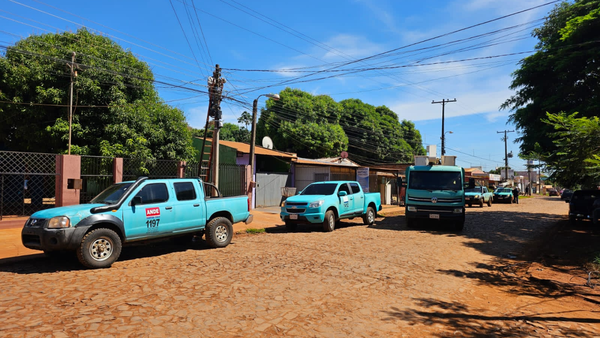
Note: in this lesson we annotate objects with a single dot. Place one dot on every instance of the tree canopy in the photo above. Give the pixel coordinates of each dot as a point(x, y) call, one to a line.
point(317, 126)
point(117, 111)
point(562, 76)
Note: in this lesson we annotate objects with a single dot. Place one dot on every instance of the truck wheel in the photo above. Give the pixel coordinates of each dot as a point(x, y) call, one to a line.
point(329, 222)
point(369, 217)
point(459, 225)
point(219, 232)
point(289, 226)
point(99, 248)
point(490, 202)
point(481, 203)
point(470, 205)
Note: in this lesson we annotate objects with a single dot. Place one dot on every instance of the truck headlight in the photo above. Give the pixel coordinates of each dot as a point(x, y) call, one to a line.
point(458, 210)
point(59, 222)
point(476, 196)
point(412, 209)
point(316, 204)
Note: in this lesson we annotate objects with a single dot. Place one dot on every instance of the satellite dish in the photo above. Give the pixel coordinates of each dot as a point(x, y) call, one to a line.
point(267, 142)
point(344, 154)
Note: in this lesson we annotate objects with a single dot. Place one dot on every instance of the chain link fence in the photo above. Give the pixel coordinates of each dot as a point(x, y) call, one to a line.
point(27, 182)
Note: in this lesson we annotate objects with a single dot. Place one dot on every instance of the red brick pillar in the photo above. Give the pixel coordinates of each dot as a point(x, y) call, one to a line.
point(67, 167)
point(117, 170)
point(181, 169)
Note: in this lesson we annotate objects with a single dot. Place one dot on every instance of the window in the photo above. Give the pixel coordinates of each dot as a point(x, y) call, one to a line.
point(344, 187)
point(435, 180)
point(185, 191)
point(355, 188)
point(154, 193)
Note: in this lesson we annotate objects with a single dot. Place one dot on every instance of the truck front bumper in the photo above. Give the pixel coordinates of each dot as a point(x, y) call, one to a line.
point(473, 200)
point(38, 237)
point(436, 213)
point(302, 218)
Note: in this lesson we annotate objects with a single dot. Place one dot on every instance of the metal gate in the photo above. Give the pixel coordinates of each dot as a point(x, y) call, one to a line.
point(27, 182)
point(96, 175)
point(268, 188)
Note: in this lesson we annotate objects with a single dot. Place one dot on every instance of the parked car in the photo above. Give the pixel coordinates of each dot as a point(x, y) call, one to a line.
point(584, 204)
point(503, 195)
point(129, 212)
point(553, 192)
point(566, 194)
point(478, 195)
point(327, 202)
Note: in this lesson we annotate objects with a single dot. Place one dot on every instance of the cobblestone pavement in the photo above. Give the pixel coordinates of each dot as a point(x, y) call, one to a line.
point(380, 281)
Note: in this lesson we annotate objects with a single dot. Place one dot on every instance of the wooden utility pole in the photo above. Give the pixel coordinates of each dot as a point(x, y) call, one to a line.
point(215, 90)
point(443, 102)
point(505, 138)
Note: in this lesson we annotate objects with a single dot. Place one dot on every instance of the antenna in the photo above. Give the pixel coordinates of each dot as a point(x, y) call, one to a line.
point(267, 142)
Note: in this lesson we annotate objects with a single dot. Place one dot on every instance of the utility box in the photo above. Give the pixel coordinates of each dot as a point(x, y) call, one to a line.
point(421, 160)
point(448, 160)
point(432, 150)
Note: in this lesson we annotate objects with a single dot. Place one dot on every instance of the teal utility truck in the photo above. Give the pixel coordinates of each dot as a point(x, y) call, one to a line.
point(136, 211)
point(328, 202)
point(436, 192)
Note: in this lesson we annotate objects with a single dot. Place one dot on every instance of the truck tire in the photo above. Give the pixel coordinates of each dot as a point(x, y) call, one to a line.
point(490, 202)
point(219, 232)
point(369, 216)
point(289, 226)
point(99, 248)
point(470, 205)
point(329, 222)
point(481, 203)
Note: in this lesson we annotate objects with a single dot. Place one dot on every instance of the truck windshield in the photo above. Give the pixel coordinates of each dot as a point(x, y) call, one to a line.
point(476, 189)
point(319, 189)
point(434, 180)
point(111, 194)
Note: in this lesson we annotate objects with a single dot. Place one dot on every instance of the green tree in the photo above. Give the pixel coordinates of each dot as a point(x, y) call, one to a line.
point(117, 109)
point(562, 76)
point(576, 160)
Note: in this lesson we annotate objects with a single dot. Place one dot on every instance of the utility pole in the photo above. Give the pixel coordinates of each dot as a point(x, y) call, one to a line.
point(443, 102)
point(505, 138)
point(73, 73)
point(215, 91)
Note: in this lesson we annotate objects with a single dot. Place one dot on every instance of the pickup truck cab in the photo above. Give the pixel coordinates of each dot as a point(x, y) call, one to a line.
point(328, 202)
point(478, 195)
point(135, 211)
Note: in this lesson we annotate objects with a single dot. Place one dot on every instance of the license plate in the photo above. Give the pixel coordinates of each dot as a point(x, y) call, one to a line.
point(293, 216)
point(434, 216)
point(467, 199)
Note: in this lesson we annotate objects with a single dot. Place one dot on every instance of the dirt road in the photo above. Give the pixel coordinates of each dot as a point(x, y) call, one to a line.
point(384, 281)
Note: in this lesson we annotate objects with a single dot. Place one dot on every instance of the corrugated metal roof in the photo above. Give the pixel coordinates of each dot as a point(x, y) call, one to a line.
point(333, 161)
point(258, 150)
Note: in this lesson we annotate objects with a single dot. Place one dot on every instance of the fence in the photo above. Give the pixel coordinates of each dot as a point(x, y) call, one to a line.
point(232, 180)
point(27, 182)
point(96, 175)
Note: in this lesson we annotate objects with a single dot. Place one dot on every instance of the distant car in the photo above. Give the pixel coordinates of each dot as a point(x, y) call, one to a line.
point(478, 195)
point(584, 204)
point(503, 195)
point(566, 194)
point(553, 192)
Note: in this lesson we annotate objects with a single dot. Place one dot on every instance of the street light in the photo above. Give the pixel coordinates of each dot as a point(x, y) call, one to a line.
point(443, 139)
point(253, 132)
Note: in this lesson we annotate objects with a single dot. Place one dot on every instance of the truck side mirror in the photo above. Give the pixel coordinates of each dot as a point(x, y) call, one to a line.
point(471, 184)
point(400, 182)
point(136, 200)
point(342, 193)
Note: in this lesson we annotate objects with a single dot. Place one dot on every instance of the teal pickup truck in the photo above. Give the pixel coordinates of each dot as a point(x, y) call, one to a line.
point(478, 195)
point(136, 211)
point(328, 202)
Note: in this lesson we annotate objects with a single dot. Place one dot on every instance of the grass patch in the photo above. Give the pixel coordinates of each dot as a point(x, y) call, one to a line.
point(593, 269)
point(255, 231)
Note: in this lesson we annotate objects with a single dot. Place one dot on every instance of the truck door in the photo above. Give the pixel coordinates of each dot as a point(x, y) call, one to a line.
point(345, 202)
point(189, 206)
point(358, 198)
point(154, 214)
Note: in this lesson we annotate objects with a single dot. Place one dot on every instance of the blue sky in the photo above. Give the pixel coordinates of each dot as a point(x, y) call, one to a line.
point(417, 57)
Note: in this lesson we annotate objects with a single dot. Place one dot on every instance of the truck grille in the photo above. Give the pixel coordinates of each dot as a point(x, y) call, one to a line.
point(35, 223)
point(439, 200)
point(295, 211)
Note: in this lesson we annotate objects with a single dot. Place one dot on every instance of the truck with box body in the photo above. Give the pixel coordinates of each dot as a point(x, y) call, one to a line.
point(136, 211)
point(436, 192)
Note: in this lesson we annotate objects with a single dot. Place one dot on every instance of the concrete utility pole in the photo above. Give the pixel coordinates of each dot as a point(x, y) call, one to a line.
point(443, 102)
point(505, 138)
point(215, 91)
point(73, 73)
